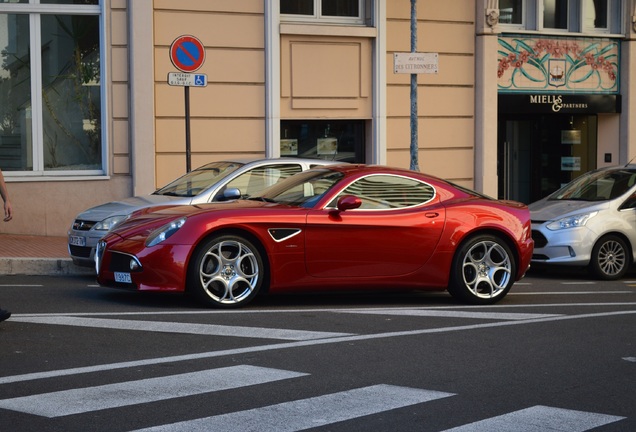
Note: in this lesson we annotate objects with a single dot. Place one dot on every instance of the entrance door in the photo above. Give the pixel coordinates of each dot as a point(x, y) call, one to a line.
point(537, 154)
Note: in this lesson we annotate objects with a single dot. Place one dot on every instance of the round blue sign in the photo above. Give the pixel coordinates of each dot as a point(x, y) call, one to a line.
point(187, 53)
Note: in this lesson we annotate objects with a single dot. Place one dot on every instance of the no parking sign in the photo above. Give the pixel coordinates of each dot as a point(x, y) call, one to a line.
point(187, 53)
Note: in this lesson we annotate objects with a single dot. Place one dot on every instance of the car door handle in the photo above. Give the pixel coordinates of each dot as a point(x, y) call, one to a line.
point(431, 215)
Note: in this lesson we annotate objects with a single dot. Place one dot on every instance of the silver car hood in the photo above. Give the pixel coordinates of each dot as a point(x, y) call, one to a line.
point(129, 205)
point(546, 210)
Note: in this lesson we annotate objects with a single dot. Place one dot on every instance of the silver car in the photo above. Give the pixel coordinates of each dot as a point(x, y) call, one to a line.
point(589, 222)
point(216, 181)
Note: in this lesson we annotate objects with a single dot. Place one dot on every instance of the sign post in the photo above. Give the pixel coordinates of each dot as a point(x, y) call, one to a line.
point(187, 54)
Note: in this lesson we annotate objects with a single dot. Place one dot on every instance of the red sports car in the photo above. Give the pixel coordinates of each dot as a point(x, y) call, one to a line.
point(341, 227)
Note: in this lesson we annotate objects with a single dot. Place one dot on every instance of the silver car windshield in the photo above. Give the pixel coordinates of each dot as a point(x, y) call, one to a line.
point(195, 182)
point(597, 186)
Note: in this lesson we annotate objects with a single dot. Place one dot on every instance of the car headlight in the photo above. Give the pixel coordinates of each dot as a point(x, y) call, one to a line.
point(574, 221)
point(109, 223)
point(164, 232)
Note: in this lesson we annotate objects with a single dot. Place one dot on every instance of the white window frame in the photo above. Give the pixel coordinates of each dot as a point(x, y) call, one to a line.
point(532, 19)
point(318, 18)
point(601, 30)
point(524, 20)
point(35, 10)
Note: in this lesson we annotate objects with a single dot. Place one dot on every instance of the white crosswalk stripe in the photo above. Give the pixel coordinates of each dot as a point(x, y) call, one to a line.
point(540, 419)
point(295, 415)
point(83, 400)
point(309, 413)
point(451, 314)
point(184, 328)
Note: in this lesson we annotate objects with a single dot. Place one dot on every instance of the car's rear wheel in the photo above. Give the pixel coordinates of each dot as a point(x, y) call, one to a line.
point(226, 271)
point(483, 270)
point(610, 258)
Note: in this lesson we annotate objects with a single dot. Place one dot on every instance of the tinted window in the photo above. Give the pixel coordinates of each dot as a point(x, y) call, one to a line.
point(388, 192)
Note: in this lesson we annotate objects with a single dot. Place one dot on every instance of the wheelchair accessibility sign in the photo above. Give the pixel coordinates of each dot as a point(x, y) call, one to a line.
point(187, 80)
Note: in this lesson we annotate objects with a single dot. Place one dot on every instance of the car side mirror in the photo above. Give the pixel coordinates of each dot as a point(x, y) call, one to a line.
point(231, 194)
point(349, 202)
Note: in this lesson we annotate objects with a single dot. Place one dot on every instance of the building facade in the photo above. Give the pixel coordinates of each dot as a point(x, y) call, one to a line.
point(527, 95)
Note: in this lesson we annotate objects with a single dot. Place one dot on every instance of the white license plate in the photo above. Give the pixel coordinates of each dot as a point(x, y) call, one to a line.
point(77, 241)
point(122, 277)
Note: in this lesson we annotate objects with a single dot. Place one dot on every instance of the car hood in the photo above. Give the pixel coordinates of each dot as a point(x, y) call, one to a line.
point(546, 210)
point(149, 218)
point(130, 205)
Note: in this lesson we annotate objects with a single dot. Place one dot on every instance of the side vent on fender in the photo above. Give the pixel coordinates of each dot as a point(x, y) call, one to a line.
point(282, 234)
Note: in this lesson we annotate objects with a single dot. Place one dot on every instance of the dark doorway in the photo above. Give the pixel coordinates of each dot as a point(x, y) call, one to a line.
point(537, 154)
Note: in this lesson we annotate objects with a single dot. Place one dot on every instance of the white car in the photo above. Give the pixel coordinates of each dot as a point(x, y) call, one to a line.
point(589, 222)
point(217, 181)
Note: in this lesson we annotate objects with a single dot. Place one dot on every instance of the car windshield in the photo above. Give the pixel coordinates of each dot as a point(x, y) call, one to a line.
point(597, 186)
point(195, 182)
point(304, 189)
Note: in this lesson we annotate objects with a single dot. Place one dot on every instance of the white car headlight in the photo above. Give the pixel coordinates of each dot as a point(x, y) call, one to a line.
point(574, 221)
point(110, 222)
point(164, 232)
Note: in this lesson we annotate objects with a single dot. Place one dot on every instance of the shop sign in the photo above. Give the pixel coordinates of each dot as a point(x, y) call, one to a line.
point(558, 104)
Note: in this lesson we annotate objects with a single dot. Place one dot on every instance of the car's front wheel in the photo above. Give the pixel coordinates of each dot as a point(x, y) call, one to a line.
point(483, 270)
point(226, 271)
point(610, 258)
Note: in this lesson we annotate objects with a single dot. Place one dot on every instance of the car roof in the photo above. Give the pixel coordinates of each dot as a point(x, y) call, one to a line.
point(287, 160)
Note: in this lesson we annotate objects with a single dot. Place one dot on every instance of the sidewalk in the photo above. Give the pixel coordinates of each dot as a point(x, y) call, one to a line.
point(37, 255)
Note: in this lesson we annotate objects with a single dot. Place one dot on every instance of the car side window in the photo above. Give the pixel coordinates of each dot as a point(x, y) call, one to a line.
point(253, 182)
point(386, 192)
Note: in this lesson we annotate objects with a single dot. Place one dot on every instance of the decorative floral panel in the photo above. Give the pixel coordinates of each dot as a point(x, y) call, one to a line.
point(563, 65)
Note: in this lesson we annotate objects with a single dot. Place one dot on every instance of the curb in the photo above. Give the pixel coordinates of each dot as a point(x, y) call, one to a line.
point(42, 266)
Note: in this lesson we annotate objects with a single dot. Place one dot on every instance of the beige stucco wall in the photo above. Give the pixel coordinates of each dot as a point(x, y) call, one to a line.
point(227, 116)
point(445, 100)
point(325, 77)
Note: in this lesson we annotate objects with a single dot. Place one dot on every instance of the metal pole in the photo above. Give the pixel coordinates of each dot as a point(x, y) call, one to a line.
point(414, 145)
point(187, 128)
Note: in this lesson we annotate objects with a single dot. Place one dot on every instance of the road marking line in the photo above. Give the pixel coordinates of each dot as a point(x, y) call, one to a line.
point(309, 413)
point(578, 283)
point(570, 293)
point(183, 328)
point(298, 344)
point(540, 418)
point(630, 359)
point(76, 401)
point(453, 314)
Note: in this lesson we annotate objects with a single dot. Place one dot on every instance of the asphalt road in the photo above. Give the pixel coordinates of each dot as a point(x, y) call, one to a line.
point(559, 353)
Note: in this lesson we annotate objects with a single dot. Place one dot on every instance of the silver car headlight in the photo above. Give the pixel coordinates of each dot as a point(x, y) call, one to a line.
point(573, 221)
point(164, 232)
point(110, 222)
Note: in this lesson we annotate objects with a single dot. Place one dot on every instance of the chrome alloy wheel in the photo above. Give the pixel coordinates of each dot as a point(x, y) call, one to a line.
point(487, 269)
point(229, 272)
point(610, 258)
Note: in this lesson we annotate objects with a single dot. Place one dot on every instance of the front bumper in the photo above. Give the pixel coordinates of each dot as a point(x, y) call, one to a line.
point(81, 246)
point(564, 247)
point(130, 265)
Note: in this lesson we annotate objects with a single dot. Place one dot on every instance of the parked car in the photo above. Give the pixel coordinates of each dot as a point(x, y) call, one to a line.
point(341, 227)
point(205, 184)
point(591, 222)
